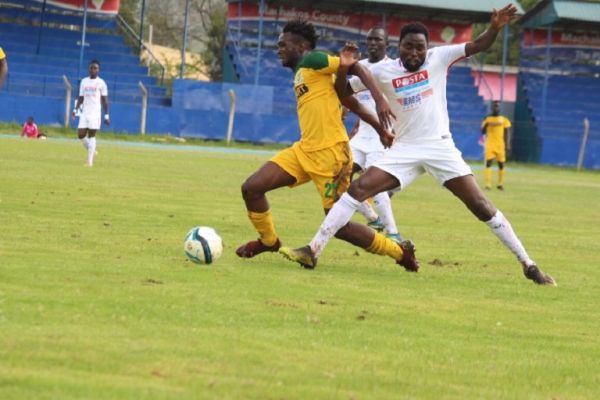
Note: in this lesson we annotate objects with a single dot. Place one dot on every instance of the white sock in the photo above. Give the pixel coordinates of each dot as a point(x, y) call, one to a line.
point(365, 209)
point(384, 209)
point(502, 228)
point(91, 150)
point(84, 142)
point(338, 216)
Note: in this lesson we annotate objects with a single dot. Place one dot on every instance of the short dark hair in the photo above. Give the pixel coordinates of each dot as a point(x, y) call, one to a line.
point(304, 29)
point(94, 61)
point(414, 27)
point(380, 28)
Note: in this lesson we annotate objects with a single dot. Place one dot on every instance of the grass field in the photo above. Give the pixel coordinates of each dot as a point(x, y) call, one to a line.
point(97, 300)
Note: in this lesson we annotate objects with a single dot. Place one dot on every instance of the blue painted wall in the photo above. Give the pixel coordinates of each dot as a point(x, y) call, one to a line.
point(201, 109)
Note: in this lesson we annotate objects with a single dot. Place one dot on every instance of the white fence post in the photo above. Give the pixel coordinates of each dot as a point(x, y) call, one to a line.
point(144, 108)
point(232, 97)
point(586, 131)
point(68, 88)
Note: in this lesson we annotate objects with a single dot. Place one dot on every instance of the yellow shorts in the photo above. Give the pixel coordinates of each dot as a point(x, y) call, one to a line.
point(328, 168)
point(497, 152)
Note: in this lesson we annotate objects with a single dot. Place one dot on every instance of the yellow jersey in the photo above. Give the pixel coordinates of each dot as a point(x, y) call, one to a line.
point(319, 109)
point(494, 128)
point(2, 55)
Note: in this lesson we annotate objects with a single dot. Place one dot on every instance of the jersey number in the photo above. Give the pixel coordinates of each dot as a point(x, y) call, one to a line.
point(330, 190)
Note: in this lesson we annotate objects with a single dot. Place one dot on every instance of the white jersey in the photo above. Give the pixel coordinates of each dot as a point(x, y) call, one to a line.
point(417, 98)
point(92, 90)
point(366, 131)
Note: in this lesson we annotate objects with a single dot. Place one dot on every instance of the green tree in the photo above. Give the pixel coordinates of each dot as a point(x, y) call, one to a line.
point(214, 22)
point(494, 54)
point(206, 28)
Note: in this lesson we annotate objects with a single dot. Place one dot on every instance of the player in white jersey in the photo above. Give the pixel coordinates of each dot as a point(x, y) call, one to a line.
point(366, 145)
point(416, 89)
point(93, 95)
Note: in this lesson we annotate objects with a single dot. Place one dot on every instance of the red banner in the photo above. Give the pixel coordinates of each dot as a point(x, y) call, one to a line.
point(439, 32)
point(97, 6)
point(539, 37)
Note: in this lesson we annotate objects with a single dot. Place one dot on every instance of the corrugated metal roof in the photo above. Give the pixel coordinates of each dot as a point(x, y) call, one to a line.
point(462, 5)
point(562, 12)
point(578, 10)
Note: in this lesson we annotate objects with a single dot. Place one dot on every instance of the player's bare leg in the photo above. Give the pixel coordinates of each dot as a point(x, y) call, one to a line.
point(270, 176)
point(467, 190)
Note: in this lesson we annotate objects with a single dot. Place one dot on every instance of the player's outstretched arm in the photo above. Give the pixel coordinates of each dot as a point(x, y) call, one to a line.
point(384, 112)
point(352, 104)
point(348, 57)
point(486, 39)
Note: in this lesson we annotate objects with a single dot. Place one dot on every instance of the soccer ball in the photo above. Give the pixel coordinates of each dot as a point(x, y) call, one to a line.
point(203, 245)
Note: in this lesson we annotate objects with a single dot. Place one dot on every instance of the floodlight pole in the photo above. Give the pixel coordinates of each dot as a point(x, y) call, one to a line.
point(39, 43)
point(261, 12)
point(503, 71)
point(83, 29)
point(546, 74)
point(141, 41)
point(185, 34)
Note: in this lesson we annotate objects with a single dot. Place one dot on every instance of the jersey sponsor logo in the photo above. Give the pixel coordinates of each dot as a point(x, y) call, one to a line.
point(409, 102)
point(412, 89)
point(301, 90)
point(411, 82)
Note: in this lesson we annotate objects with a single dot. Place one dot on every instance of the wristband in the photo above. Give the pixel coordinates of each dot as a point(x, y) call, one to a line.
point(106, 116)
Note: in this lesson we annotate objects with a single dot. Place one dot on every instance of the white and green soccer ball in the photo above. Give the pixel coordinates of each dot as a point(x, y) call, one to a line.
point(203, 245)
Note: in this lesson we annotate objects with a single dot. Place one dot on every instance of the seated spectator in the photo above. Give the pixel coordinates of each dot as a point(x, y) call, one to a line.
point(30, 130)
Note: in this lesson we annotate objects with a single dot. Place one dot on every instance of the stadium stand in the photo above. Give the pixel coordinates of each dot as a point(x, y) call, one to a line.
point(41, 55)
point(560, 79)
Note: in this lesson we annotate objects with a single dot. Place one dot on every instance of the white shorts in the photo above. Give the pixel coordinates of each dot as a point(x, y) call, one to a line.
point(365, 151)
point(407, 161)
point(90, 122)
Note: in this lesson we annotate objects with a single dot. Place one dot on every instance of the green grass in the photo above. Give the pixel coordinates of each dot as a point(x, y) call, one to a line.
point(97, 300)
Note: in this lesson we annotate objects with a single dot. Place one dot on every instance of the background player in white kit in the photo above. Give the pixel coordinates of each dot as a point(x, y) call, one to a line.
point(93, 95)
point(366, 145)
point(415, 86)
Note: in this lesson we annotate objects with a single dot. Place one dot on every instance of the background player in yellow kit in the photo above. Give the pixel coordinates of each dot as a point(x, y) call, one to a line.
point(3, 67)
point(496, 130)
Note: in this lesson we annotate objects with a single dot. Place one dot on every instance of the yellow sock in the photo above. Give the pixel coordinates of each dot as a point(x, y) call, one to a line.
point(487, 175)
point(385, 247)
point(501, 177)
point(263, 223)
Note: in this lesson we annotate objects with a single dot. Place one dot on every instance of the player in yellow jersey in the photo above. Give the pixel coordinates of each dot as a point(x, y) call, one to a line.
point(3, 67)
point(496, 130)
point(322, 154)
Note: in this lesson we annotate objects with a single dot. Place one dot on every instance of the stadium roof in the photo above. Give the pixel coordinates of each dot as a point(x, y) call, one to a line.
point(441, 10)
point(564, 13)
